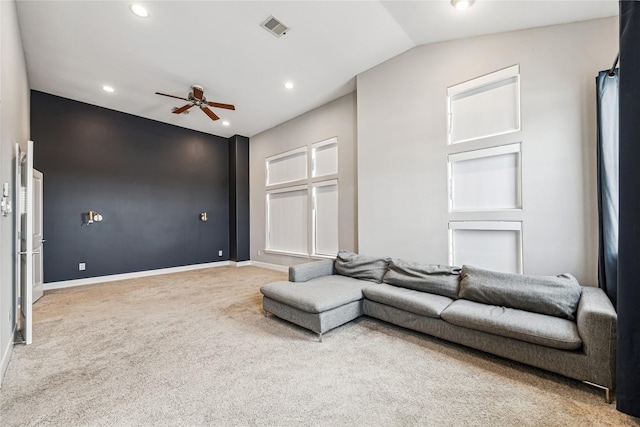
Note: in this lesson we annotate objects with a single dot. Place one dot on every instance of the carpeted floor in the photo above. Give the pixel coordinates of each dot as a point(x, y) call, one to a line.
point(194, 348)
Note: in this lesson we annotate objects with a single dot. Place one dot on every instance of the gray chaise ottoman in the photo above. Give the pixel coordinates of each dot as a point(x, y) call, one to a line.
point(320, 305)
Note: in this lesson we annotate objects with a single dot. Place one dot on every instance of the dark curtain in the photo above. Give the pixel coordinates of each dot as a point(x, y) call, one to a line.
point(628, 360)
point(608, 88)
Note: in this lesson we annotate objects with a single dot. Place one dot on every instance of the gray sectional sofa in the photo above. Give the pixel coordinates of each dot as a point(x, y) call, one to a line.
point(550, 322)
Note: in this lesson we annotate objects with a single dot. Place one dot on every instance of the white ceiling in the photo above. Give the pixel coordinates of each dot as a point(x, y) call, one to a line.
point(72, 48)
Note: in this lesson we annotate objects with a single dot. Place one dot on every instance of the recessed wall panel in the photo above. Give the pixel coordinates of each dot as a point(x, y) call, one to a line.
point(489, 245)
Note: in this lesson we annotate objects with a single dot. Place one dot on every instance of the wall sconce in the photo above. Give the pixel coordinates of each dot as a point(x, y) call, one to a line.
point(92, 216)
point(203, 217)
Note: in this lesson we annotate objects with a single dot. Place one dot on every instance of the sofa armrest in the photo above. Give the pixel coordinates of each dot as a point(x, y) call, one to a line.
point(310, 270)
point(597, 325)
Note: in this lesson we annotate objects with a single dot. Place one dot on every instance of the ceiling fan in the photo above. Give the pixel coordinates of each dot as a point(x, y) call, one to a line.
point(196, 98)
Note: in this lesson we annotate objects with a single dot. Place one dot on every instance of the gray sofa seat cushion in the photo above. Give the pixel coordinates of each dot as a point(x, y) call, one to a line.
point(436, 279)
point(362, 267)
point(552, 295)
point(316, 295)
point(522, 325)
point(417, 302)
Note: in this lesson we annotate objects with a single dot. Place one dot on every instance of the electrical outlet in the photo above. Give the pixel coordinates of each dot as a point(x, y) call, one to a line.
point(82, 266)
point(220, 253)
point(259, 252)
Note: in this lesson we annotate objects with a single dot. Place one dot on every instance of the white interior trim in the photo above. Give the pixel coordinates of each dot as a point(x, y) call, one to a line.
point(288, 189)
point(239, 263)
point(287, 253)
point(486, 152)
point(282, 268)
point(135, 275)
point(290, 153)
point(4, 362)
point(496, 76)
point(325, 183)
point(331, 141)
point(486, 225)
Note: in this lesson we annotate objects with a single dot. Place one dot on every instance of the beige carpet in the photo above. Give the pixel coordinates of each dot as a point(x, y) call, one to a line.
point(194, 348)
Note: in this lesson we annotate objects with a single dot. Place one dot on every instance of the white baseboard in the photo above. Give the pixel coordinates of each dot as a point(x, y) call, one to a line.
point(114, 277)
point(275, 267)
point(125, 276)
point(6, 355)
point(239, 263)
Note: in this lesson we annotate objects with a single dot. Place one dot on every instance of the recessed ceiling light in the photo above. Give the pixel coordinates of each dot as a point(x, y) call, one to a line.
point(108, 89)
point(462, 4)
point(289, 85)
point(225, 123)
point(139, 10)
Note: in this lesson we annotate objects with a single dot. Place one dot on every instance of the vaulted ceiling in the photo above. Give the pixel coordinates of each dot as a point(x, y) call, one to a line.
point(73, 48)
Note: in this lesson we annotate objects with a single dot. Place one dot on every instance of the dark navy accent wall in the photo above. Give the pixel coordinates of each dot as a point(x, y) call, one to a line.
point(149, 180)
point(239, 198)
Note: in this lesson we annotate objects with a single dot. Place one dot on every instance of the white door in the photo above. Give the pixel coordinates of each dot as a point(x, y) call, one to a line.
point(24, 229)
point(37, 236)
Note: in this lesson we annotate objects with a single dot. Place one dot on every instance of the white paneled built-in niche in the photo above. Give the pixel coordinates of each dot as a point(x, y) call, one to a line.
point(324, 157)
point(287, 220)
point(492, 245)
point(325, 218)
point(287, 167)
point(485, 106)
point(487, 179)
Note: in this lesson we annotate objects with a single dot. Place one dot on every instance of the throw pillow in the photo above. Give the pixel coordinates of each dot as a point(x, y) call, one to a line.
point(432, 278)
point(553, 295)
point(361, 266)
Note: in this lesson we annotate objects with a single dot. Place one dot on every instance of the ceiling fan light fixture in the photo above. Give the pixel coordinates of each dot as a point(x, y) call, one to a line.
point(289, 85)
point(225, 123)
point(462, 4)
point(108, 88)
point(139, 10)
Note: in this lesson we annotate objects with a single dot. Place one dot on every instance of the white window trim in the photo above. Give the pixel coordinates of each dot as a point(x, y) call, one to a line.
point(313, 215)
point(267, 240)
point(318, 145)
point(291, 153)
point(487, 79)
point(479, 83)
point(485, 152)
point(486, 225)
point(308, 183)
point(479, 154)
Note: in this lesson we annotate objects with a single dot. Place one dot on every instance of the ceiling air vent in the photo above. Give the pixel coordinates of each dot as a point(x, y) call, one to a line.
point(274, 26)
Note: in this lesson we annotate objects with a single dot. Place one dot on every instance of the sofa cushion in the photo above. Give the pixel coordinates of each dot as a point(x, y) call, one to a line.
point(436, 279)
point(362, 267)
point(522, 325)
point(552, 295)
point(316, 295)
point(417, 302)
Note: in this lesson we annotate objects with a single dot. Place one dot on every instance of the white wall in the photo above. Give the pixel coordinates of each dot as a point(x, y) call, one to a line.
point(337, 118)
point(14, 127)
point(402, 175)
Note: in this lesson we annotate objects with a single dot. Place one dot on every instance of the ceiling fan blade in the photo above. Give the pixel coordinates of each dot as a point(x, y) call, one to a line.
point(172, 96)
point(225, 106)
point(197, 92)
point(209, 113)
point(182, 109)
